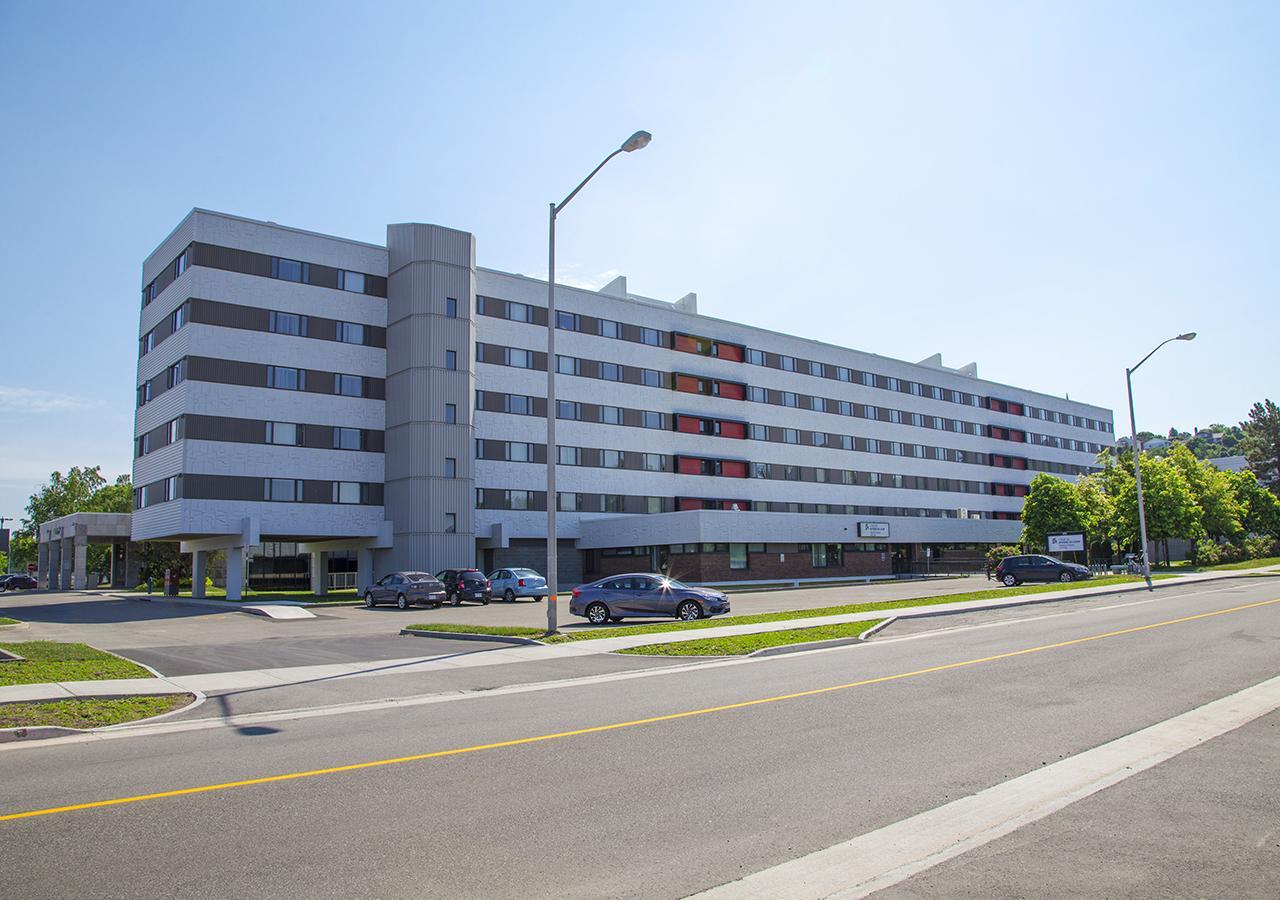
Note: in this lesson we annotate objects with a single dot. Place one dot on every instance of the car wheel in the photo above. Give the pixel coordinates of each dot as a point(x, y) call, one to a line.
point(1066, 578)
point(509, 595)
point(368, 599)
point(597, 614)
point(402, 601)
point(1009, 581)
point(689, 610)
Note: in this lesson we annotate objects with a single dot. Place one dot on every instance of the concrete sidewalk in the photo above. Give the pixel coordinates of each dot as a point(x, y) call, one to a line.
point(463, 658)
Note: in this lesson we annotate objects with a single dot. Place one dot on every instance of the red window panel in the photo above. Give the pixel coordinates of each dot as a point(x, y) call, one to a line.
point(1019, 462)
point(686, 383)
point(686, 503)
point(995, 405)
point(1019, 490)
point(733, 429)
point(732, 468)
point(689, 465)
point(731, 352)
point(686, 344)
point(732, 390)
point(1017, 436)
point(1000, 490)
point(743, 505)
point(689, 424)
point(1015, 408)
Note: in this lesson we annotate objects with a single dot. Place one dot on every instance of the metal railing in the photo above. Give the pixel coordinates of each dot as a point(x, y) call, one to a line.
point(339, 581)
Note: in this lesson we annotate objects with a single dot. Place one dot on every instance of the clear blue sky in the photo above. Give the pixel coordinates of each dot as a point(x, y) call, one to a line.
point(1048, 189)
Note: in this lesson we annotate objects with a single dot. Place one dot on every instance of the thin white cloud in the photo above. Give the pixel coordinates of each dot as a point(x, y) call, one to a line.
point(31, 400)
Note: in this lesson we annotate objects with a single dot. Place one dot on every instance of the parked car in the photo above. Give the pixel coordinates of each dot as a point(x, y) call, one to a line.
point(513, 583)
point(405, 589)
point(465, 584)
point(17, 582)
point(1038, 567)
point(642, 595)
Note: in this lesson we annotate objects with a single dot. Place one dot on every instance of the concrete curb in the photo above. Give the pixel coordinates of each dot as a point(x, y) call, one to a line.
point(45, 732)
point(881, 627)
point(473, 636)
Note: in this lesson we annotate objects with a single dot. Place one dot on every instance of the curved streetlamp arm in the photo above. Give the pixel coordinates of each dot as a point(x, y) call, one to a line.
point(555, 210)
point(1144, 359)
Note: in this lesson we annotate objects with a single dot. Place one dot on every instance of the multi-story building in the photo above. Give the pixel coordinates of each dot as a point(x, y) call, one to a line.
point(306, 394)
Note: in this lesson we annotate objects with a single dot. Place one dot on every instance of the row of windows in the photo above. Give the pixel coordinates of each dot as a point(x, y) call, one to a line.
point(530, 500)
point(288, 434)
point(520, 451)
point(608, 371)
point(282, 490)
point(248, 262)
point(160, 492)
point(290, 490)
point(521, 312)
point(571, 410)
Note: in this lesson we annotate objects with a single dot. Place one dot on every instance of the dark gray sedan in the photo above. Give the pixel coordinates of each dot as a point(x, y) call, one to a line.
point(644, 596)
point(405, 589)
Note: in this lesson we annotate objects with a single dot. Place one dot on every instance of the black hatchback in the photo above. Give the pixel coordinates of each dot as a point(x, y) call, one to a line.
point(1038, 567)
point(465, 584)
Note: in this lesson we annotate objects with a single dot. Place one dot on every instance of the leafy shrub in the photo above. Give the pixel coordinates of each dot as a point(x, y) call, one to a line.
point(1261, 547)
point(995, 554)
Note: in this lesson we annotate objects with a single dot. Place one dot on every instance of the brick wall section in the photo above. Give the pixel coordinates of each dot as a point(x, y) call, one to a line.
point(714, 567)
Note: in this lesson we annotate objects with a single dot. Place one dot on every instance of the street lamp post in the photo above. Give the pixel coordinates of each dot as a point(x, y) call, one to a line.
point(1137, 452)
point(637, 141)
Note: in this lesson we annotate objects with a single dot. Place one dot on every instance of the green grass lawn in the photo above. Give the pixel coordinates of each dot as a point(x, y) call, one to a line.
point(742, 644)
point(345, 595)
point(48, 661)
point(969, 596)
point(4, 621)
point(1244, 564)
point(502, 630)
point(87, 713)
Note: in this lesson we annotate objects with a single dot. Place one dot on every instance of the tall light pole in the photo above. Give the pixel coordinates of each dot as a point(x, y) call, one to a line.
point(637, 141)
point(1137, 452)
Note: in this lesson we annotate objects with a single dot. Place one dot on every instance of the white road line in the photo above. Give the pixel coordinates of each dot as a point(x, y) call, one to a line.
point(890, 855)
point(359, 706)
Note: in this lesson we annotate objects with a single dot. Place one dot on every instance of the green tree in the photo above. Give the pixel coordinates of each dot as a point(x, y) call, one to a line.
point(1261, 443)
point(1214, 493)
point(1170, 506)
point(1260, 509)
point(1052, 505)
point(81, 489)
point(1099, 509)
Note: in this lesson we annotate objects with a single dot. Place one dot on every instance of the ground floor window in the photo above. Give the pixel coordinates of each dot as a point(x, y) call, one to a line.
point(824, 555)
point(737, 556)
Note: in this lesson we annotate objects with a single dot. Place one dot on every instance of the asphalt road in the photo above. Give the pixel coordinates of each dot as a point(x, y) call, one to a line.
point(670, 807)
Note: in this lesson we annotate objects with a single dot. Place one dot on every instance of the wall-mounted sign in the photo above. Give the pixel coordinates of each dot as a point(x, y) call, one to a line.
point(873, 529)
point(1072, 542)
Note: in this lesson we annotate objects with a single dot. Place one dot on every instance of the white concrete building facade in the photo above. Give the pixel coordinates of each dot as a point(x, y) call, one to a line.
point(389, 402)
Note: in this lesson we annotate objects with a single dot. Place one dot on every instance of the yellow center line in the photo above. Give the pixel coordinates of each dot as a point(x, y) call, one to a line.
point(596, 729)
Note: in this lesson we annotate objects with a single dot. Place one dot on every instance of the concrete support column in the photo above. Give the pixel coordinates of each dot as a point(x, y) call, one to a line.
point(55, 564)
point(235, 573)
point(79, 563)
point(42, 564)
point(66, 556)
point(364, 569)
point(319, 572)
point(199, 559)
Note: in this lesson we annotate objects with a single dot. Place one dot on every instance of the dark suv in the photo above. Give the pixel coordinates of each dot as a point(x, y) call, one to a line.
point(465, 584)
point(17, 582)
point(1038, 567)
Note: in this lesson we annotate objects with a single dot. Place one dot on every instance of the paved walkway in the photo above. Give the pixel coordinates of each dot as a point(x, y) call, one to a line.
point(490, 656)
